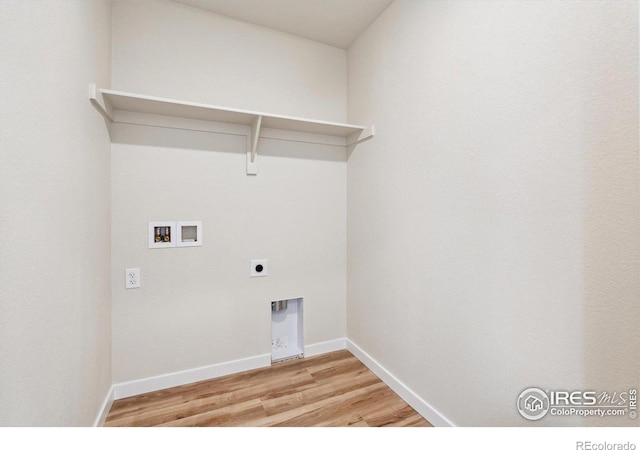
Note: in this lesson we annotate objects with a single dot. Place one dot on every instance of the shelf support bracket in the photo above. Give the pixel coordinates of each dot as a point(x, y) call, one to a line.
point(105, 110)
point(364, 135)
point(252, 146)
point(98, 103)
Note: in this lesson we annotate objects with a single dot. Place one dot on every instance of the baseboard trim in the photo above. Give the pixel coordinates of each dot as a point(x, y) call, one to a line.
point(145, 385)
point(325, 347)
point(423, 408)
point(105, 408)
point(142, 386)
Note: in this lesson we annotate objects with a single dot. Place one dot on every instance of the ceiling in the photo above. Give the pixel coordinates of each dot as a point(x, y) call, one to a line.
point(333, 22)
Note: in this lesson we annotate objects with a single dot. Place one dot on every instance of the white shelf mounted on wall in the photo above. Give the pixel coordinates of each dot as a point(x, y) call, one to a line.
point(124, 107)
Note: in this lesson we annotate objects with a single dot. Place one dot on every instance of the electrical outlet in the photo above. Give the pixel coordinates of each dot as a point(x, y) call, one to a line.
point(132, 278)
point(258, 268)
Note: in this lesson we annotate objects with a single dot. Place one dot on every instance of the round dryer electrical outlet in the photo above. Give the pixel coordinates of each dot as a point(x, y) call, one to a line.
point(259, 268)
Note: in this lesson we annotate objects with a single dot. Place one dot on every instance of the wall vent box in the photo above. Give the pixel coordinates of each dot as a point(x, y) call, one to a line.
point(189, 233)
point(286, 330)
point(162, 234)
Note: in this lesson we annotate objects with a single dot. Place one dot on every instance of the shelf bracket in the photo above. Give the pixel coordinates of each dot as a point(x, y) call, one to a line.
point(104, 108)
point(99, 104)
point(252, 146)
point(361, 136)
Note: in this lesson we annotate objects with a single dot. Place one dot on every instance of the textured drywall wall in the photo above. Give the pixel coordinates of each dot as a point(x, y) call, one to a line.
point(612, 217)
point(55, 314)
point(198, 306)
point(493, 221)
point(172, 50)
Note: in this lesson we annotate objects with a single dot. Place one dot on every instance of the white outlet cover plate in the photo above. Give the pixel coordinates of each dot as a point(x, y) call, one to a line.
point(132, 278)
point(255, 264)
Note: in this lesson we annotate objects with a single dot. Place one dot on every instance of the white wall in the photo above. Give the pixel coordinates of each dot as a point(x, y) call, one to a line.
point(198, 306)
point(171, 50)
point(55, 326)
point(493, 221)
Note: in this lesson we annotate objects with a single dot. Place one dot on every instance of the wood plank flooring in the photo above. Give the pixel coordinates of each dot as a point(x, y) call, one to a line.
point(331, 390)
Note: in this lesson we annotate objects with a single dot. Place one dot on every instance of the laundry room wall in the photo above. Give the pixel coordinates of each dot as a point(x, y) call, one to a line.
point(493, 221)
point(55, 302)
point(197, 306)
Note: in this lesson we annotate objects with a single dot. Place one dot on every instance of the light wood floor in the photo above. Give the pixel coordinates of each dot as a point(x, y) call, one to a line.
point(331, 390)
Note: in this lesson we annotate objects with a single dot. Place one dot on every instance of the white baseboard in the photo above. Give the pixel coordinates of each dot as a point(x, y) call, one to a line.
point(325, 347)
point(142, 386)
point(414, 400)
point(174, 379)
point(104, 409)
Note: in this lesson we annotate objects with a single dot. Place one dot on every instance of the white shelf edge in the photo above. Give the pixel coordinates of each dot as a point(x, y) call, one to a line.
point(103, 100)
point(109, 92)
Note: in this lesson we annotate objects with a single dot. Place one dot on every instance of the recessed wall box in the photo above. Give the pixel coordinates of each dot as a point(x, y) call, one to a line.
point(286, 330)
point(162, 234)
point(189, 233)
